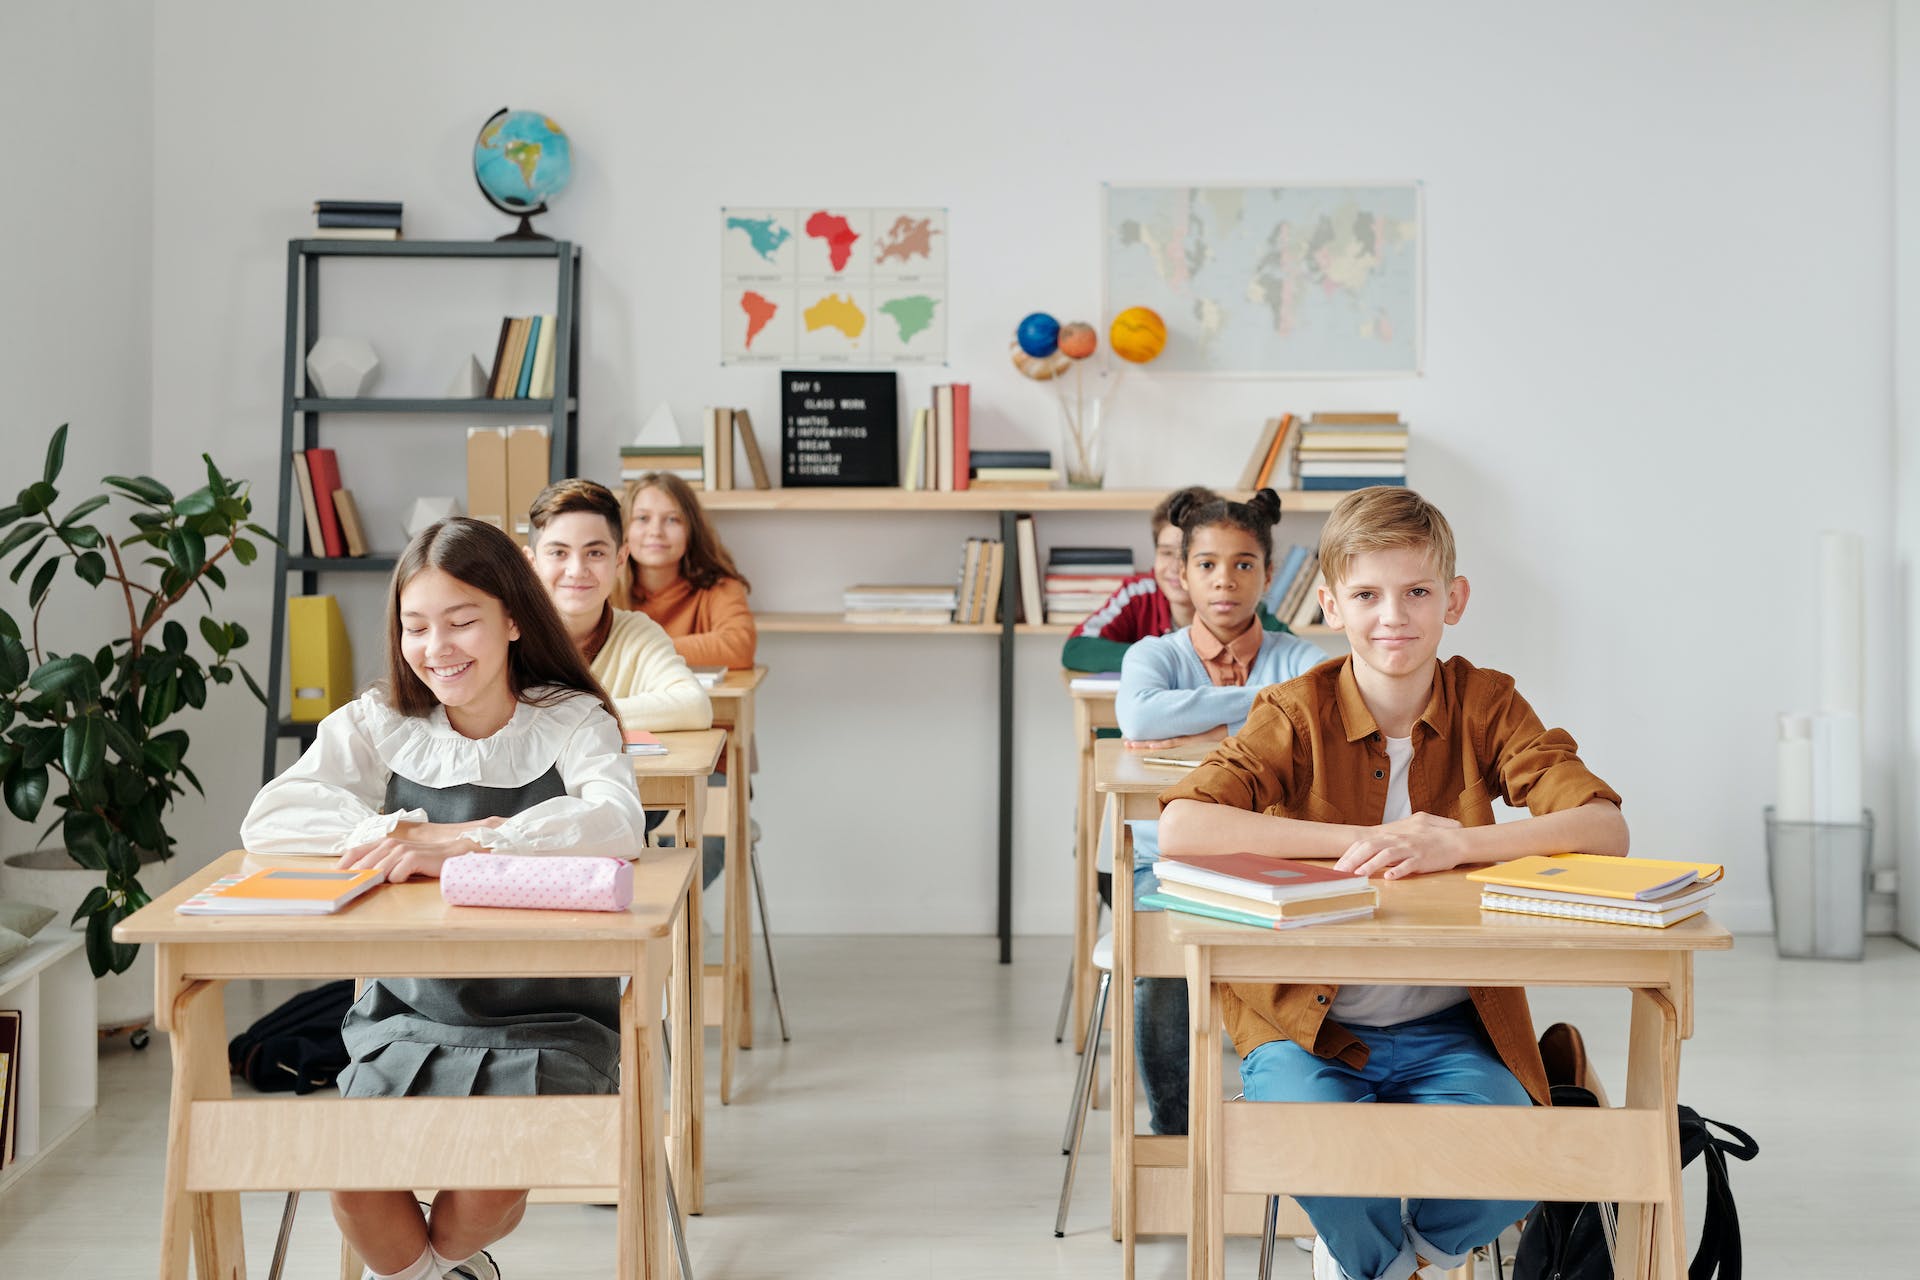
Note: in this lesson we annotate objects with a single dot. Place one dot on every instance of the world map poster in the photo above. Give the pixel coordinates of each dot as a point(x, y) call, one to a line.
point(1272, 280)
point(859, 287)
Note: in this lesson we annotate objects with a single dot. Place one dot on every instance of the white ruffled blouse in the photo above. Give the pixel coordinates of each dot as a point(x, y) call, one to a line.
point(329, 801)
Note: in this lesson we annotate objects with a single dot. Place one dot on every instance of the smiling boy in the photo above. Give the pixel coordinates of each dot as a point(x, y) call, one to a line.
point(1390, 761)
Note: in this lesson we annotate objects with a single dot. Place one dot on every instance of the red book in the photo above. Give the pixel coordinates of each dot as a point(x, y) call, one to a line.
point(324, 466)
point(1257, 875)
point(962, 449)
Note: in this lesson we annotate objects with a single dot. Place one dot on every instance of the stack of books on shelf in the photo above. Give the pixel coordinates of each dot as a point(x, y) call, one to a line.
point(922, 605)
point(1256, 889)
point(1079, 579)
point(688, 461)
point(1647, 892)
point(1270, 454)
point(1011, 469)
point(938, 447)
point(981, 572)
point(12, 1055)
point(331, 518)
point(1351, 451)
point(356, 219)
point(1294, 595)
point(721, 430)
point(523, 359)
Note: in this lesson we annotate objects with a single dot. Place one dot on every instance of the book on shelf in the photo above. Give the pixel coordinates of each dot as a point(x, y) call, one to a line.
point(309, 513)
point(989, 610)
point(1372, 418)
point(350, 527)
point(1299, 586)
point(1283, 577)
point(1094, 584)
point(952, 433)
point(1099, 557)
point(1307, 612)
point(1257, 875)
point(1014, 477)
point(506, 370)
point(1234, 915)
point(388, 208)
point(1348, 483)
point(12, 1055)
point(920, 605)
point(1096, 682)
point(354, 233)
point(638, 742)
point(694, 476)
point(498, 368)
point(355, 218)
point(323, 466)
point(1268, 450)
point(1027, 549)
point(969, 572)
point(750, 445)
point(917, 452)
point(540, 368)
point(717, 444)
point(1360, 895)
point(1581, 876)
point(686, 461)
point(1079, 580)
point(1395, 467)
point(1024, 459)
point(282, 891)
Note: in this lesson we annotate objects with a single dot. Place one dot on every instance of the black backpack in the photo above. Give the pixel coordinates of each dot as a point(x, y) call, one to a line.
point(297, 1046)
point(1565, 1241)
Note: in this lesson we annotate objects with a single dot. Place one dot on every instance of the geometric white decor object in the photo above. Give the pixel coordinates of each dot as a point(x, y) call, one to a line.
point(661, 430)
point(426, 510)
point(470, 383)
point(342, 368)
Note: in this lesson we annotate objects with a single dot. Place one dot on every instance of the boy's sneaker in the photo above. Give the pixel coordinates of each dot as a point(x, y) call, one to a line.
point(479, 1267)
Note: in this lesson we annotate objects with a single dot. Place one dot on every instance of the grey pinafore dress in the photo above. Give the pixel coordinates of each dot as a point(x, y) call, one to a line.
point(458, 1037)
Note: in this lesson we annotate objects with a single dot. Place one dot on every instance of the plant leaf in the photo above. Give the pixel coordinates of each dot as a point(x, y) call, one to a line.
point(217, 577)
point(91, 567)
point(145, 488)
point(18, 537)
point(39, 744)
point(14, 663)
point(215, 635)
point(41, 581)
point(56, 453)
point(84, 747)
point(10, 513)
point(86, 508)
point(86, 838)
point(37, 497)
point(197, 503)
point(245, 552)
point(122, 742)
point(69, 677)
point(251, 684)
point(25, 562)
point(26, 791)
point(188, 550)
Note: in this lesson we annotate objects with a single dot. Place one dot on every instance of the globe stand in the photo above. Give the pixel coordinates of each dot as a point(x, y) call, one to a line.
point(525, 230)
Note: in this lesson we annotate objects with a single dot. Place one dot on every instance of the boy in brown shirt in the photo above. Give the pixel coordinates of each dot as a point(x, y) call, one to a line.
point(1389, 761)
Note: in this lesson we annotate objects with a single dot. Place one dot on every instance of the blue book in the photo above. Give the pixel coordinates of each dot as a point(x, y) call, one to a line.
point(1326, 483)
point(526, 361)
point(1283, 578)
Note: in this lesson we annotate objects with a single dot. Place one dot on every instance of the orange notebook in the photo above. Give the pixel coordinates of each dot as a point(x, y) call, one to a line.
point(281, 891)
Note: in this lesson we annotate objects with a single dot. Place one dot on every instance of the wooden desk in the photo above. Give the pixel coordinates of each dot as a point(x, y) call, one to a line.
point(1430, 931)
point(1092, 711)
point(729, 1003)
point(1151, 1195)
point(678, 781)
point(217, 1147)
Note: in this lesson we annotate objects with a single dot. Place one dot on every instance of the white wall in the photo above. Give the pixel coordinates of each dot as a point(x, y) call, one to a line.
point(1906, 366)
point(1659, 255)
point(75, 272)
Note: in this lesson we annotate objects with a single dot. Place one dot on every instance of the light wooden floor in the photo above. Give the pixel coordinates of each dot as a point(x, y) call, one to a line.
point(911, 1131)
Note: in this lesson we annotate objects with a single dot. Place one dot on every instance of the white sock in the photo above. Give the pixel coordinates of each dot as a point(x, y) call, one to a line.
point(425, 1267)
point(443, 1266)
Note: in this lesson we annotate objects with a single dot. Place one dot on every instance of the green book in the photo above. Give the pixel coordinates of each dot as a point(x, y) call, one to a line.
point(665, 450)
point(1168, 902)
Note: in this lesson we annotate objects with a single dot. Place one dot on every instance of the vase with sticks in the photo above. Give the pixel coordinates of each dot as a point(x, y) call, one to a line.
point(1043, 349)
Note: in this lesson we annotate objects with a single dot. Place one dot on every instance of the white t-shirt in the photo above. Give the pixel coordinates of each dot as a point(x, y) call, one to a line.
point(1376, 1006)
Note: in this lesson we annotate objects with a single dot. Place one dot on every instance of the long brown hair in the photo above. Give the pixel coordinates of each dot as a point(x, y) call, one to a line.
point(487, 560)
point(706, 562)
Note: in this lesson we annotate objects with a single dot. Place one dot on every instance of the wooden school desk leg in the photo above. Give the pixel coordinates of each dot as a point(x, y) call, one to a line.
point(1207, 1217)
point(194, 1014)
point(1652, 1237)
point(1086, 889)
point(690, 1043)
point(1120, 1008)
point(740, 843)
point(643, 1226)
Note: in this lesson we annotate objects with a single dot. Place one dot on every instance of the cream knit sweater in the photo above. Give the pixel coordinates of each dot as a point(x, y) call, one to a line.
point(649, 682)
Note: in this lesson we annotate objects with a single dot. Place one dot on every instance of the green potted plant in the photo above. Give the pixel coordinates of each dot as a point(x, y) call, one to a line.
point(99, 722)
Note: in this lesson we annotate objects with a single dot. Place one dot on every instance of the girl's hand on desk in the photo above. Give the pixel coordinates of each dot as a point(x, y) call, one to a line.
point(1410, 846)
point(403, 856)
point(1216, 734)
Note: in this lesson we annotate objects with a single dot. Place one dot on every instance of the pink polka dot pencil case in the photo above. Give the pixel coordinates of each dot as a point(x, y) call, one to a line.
point(546, 884)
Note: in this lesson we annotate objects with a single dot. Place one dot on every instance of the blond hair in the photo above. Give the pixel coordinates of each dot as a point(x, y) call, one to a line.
point(1383, 518)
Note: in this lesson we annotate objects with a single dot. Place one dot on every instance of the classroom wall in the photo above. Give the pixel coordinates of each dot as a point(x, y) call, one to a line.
point(76, 86)
point(1658, 354)
point(1906, 365)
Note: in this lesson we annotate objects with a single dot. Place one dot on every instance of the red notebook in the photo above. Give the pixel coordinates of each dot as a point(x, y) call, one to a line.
point(324, 466)
point(1257, 875)
point(962, 434)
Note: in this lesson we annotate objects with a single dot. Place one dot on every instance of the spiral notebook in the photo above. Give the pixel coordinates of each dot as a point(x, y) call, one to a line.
point(1694, 905)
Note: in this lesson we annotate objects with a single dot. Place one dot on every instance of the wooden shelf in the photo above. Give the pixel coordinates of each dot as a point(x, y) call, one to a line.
point(52, 987)
point(820, 624)
point(931, 500)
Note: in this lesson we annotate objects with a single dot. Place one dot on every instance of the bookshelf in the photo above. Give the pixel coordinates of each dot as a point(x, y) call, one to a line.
point(52, 987)
point(1007, 505)
point(302, 412)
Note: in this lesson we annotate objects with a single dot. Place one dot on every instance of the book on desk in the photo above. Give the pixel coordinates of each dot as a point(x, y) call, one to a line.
point(1648, 892)
point(638, 742)
point(282, 891)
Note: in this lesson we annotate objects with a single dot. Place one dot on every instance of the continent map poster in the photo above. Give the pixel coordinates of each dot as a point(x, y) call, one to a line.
point(1302, 281)
point(826, 285)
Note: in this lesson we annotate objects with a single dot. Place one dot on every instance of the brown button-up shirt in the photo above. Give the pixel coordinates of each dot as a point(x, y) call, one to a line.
point(1311, 750)
point(1228, 664)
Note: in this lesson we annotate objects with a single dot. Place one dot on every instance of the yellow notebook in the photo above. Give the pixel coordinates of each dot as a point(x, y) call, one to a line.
point(1593, 875)
point(319, 659)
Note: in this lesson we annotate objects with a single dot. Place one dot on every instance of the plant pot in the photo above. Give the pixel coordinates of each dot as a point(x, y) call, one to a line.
point(52, 879)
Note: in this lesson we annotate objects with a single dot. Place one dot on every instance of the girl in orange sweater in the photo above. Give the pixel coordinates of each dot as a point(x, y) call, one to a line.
point(674, 569)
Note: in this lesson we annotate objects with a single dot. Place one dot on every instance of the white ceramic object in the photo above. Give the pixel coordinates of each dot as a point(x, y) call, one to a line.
point(342, 368)
point(470, 383)
point(661, 429)
point(426, 510)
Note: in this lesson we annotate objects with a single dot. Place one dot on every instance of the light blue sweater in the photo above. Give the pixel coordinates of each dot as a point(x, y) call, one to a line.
point(1165, 692)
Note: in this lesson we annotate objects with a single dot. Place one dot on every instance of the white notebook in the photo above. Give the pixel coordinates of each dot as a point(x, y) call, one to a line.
point(1490, 901)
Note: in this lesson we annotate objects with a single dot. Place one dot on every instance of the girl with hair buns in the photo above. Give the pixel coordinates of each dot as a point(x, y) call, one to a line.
point(489, 733)
point(1191, 686)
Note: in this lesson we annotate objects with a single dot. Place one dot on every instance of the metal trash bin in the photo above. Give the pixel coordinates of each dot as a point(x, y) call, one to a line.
point(1819, 872)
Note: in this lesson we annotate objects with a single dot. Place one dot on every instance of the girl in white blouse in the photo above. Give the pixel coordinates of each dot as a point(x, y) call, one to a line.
point(489, 733)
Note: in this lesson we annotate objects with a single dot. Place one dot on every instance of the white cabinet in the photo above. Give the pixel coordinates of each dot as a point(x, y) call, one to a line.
point(52, 987)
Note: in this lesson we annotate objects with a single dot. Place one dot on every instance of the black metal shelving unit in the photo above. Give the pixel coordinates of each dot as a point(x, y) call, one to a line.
point(302, 409)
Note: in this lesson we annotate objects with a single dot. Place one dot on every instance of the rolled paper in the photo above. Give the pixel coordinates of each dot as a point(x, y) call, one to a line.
point(538, 883)
point(1839, 789)
point(1841, 654)
point(1793, 789)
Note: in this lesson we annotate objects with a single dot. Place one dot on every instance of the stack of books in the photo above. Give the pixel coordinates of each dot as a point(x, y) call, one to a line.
point(1012, 469)
point(931, 606)
point(938, 448)
point(1294, 597)
point(523, 359)
point(1588, 886)
point(356, 219)
point(684, 460)
point(1079, 579)
point(1351, 451)
point(981, 572)
point(1256, 889)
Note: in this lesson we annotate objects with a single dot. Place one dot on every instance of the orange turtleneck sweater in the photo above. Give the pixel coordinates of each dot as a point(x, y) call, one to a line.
point(713, 627)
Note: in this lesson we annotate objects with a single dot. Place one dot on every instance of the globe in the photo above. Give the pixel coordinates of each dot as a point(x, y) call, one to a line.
point(521, 160)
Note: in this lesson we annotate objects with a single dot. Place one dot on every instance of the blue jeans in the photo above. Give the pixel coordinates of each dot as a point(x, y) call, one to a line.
point(1443, 1057)
point(1160, 1034)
